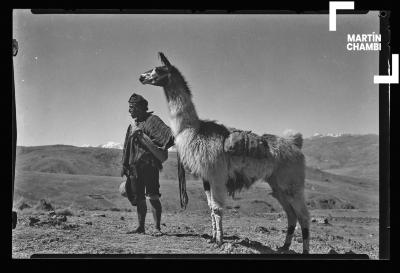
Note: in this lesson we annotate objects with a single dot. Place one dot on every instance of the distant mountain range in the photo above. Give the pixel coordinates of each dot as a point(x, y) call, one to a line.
point(349, 155)
point(117, 145)
point(110, 145)
point(331, 135)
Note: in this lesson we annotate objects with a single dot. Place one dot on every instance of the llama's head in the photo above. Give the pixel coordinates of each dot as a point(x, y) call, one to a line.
point(160, 75)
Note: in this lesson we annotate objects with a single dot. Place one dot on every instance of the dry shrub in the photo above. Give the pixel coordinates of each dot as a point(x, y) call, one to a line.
point(22, 204)
point(44, 205)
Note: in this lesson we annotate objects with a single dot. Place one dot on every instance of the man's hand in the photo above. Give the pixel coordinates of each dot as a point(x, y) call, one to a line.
point(137, 133)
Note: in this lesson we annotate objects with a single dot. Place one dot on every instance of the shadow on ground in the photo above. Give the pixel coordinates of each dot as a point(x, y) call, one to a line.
point(235, 241)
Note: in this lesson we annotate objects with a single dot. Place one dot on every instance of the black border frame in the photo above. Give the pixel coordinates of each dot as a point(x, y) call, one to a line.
point(384, 134)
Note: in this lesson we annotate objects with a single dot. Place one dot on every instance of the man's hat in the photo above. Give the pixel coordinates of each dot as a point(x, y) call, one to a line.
point(138, 101)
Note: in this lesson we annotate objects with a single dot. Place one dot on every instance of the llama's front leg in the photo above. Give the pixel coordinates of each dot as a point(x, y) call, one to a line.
point(214, 229)
point(218, 224)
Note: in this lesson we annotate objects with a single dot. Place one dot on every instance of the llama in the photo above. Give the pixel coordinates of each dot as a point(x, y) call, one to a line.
point(200, 145)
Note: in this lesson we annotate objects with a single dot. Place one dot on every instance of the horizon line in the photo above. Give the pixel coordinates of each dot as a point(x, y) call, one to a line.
point(99, 145)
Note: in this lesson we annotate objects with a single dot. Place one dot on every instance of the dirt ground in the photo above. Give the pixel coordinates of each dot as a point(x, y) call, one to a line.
point(104, 232)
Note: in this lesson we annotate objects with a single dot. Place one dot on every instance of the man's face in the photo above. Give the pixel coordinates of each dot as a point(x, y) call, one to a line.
point(134, 111)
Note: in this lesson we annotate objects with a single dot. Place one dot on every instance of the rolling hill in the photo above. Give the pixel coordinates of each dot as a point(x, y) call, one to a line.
point(88, 177)
point(66, 159)
point(350, 155)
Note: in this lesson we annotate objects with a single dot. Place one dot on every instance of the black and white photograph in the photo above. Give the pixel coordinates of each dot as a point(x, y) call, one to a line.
point(194, 134)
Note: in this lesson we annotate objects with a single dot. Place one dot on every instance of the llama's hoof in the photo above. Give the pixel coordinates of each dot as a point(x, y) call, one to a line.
point(306, 251)
point(283, 248)
point(218, 244)
point(211, 241)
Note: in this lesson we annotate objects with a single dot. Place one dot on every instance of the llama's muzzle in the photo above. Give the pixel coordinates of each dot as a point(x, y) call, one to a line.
point(143, 79)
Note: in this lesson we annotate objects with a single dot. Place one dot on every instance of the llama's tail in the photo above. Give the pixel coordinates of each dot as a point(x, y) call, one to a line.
point(295, 138)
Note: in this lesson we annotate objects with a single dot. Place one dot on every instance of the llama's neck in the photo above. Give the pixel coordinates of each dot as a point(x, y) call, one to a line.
point(181, 108)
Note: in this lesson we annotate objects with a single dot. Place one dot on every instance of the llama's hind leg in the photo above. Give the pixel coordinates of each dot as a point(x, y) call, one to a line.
point(299, 206)
point(291, 221)
point(206, 186)
point(218, 195)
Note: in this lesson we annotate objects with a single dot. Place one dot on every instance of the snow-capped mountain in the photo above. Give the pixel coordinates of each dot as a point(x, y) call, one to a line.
point(86, 145)
point(330, 135)
point(112, 144)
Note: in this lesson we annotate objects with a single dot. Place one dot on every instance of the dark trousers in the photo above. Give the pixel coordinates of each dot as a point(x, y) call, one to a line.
point(147, 185)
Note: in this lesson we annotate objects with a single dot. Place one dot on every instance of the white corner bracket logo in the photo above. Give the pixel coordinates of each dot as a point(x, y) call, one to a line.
point(394, 78)
point(333, 6)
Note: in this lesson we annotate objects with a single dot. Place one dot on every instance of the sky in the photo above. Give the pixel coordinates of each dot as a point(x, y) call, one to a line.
point(267, 73)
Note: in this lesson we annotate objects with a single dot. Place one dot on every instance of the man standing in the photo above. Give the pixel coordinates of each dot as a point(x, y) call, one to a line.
point(140, 165)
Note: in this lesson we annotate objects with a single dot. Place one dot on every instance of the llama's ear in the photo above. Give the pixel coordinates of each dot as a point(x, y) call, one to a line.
point(164, 59)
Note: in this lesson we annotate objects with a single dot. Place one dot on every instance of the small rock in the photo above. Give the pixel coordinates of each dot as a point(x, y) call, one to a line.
point(332, 251)
point(262, 230)
point(99, 215)
point(89, 223)
point(320, 220)
point(228, 247)
point(33, 220)
point(246, 240)
point(23, 205)
point(122, 218)
point(62, 218)
point(70, 226)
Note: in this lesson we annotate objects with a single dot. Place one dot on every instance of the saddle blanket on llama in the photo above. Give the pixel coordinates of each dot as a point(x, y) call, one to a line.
point(246, 143)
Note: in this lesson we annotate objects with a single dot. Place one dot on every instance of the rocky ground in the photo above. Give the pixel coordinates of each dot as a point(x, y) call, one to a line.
point(104, 232)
